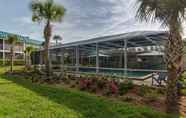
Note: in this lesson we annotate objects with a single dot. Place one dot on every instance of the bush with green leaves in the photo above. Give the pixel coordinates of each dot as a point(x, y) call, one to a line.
point(101, 83)
point(143, 90)
point(152, 96)
point(183, 92)
point(125, 86)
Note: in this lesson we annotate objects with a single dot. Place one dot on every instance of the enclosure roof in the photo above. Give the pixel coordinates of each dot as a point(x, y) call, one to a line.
point(134, 39)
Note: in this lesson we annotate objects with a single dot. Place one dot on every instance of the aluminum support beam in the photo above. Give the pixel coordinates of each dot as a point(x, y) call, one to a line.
point(97, 58)
point(3, 51)
point(24, 54)
point(125, 58)
point(77, 59)
point(41, 58)
point(50, 60)
point(62, 61)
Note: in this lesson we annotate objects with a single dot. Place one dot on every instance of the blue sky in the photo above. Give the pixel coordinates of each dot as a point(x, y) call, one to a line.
point(84, 19)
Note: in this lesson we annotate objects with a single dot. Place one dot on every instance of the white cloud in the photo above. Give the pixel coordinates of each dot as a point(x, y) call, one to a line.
point(23, 20)
point(90, 18)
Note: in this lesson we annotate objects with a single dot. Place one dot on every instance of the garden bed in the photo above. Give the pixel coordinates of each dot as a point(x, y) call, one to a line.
point(109, 87)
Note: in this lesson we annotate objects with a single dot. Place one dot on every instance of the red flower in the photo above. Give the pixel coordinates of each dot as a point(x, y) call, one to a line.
point(114, 88)
point(83, 84)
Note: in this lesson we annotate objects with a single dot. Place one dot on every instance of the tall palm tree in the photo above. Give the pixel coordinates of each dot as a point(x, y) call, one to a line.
point(170, 13)
point(12, 40)
point(57, 38)
point(28, 52)
point(47, 11)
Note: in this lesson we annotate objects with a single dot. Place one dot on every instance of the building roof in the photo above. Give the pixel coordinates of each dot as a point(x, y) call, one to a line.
point(4, 35)
point(32, 41)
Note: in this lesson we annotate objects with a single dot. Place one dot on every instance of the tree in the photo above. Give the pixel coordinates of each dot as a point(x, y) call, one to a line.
point(47, 11)
point(57, 38)
point(170, 13)
point(12, 40)
point(28, 52)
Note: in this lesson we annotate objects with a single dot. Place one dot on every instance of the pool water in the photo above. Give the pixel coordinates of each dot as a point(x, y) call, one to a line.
point(116, 72)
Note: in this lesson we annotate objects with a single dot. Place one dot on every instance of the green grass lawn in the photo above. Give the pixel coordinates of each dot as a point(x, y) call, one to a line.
point(19, 98)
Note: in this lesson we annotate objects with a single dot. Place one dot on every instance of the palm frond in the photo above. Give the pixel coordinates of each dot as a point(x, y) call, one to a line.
point(57, 37)
point(37, 8)
point(58, 12)
point(162, 10)
point(46, 10)
point(12, 39)
point(147, 9)
point(29, 49)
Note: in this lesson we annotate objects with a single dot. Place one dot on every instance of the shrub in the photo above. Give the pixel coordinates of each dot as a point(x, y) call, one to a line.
point(114, 87)
point(93, 88)
point(107, 91)
point(124, 87)
point(129, 84)
point(143, 90)
point(183, 92)
point(66, 79)
point(152, 96)
point(101, 83)
point(83, 83)
point(93, 80)
point(161, 91)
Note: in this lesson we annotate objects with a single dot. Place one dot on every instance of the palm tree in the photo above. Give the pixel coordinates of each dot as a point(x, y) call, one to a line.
point(170, 13)
point(57, 38)
point(47, 11)
point(12, 40)
point(28, 52)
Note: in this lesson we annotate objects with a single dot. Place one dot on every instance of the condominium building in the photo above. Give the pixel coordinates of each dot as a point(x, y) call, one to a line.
point(19, 48)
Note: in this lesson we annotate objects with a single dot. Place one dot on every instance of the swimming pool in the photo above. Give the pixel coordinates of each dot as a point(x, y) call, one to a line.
point(116, 72)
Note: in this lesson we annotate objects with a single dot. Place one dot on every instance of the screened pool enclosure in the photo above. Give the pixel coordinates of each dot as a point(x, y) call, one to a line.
point(134, 55)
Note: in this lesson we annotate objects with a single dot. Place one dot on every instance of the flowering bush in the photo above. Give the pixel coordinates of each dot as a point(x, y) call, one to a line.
point(83, 84)
point(108, 87)
point(114, 87)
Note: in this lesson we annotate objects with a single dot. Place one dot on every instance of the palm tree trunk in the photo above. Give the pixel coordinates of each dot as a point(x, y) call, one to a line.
point(12, 59)
point(47, 35)
point(172, 98)
point(25, 57)
point(29, 61)
point(174, 56)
